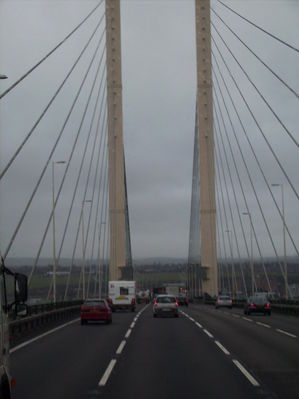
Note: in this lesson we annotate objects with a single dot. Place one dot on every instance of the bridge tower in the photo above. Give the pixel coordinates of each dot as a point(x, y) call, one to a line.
point(206, 147)
point(115, 141)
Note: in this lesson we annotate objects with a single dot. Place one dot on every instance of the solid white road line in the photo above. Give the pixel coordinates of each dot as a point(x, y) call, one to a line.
point(107, 373)
point(191, 318)
point(222, 347)
point(16, 348)
point(263, 324)
point(252, 380)
point(286, 333)
point(236, 315)
point(121, 347)
point(198, 325)
point(245, 318)
point(128, 333)
point(208, 333)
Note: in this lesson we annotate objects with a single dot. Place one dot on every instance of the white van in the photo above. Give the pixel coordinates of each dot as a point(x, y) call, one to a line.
point(122, 295)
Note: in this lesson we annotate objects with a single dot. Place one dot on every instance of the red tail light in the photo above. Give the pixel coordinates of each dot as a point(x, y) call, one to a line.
point(218, 301)
point(156, 304)
point(110, 300)
point(268, 305)
point(133, 301)
point(231, 302)
point(252, 305)
point(176, 304)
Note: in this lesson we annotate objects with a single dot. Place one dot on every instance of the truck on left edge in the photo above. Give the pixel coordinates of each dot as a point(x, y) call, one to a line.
point(17, 306)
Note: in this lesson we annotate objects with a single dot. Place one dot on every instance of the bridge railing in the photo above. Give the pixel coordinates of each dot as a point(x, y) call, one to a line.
point(41, 315)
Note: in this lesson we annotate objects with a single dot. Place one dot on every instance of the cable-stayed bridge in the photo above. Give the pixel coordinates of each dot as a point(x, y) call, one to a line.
point(64, 151)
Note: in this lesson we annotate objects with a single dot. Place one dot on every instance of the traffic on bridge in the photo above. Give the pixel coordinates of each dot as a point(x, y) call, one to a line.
point(149, 192)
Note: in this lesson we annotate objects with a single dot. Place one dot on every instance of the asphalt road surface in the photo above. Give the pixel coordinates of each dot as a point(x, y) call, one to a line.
point(205, 353)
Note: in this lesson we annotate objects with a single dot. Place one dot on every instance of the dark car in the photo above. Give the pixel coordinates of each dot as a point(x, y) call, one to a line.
point(95, 310)
point(182, 299)
point(257, 304)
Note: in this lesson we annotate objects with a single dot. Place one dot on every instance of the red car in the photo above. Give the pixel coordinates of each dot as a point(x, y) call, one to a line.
point(95, 310)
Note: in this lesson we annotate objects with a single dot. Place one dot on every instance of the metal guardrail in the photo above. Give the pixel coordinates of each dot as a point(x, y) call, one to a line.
point(43, 314)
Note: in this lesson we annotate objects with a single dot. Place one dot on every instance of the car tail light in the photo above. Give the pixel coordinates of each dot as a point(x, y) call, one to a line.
point(252, 305)
point(176, 304)
point(133, 301)
point(110, 301)
point(268, 305)
point(231, 301)
point(156, 304)
point(218, 301)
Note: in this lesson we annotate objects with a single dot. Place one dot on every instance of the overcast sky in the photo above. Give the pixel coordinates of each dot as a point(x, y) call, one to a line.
point(159, 94)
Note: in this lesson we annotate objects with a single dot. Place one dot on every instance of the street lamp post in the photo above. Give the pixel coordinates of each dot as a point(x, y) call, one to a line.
point(284, 239)
point(229, 233)
point(83, 249)
point(53, 218)
point(251, 253)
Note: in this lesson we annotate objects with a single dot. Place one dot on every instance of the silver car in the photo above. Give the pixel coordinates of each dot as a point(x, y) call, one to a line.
point(224, 301)
point(165, 305)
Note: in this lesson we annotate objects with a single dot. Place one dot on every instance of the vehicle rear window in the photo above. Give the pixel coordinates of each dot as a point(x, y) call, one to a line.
point(259, 299)
point(124, 291)
point(224, 297)
point(166, 299)
point(94, 303)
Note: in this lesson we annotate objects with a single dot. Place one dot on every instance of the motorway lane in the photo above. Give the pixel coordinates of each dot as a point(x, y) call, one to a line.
point(276, 320)
point(271, 356)
point(174, 358)
point(69, 362)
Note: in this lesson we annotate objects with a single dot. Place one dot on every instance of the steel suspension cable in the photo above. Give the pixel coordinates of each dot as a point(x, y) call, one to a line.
point(227, 195)
point(258, 27)
point(90, 210)
point(50, 52)
point(97, 211)
point(68, 163)
point(78, 229)
point(50, 156)
point(28, 135)
point(256, 56)
point(242, 189)
point(217, 147)
point(104, 201)
point(82, 159)
point(250, 144)
point(106, 251)
point(251, 183)
point(257, 90)
point(257, 124)
point(217, 186)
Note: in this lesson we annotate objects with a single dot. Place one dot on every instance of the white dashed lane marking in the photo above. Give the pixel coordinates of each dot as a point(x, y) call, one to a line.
point(208, 333)
point(222, 347)
point(263, 324)
point(107, 373)
point(121, 347)
point(128, 333)
point(252, 380)
point(286, 333)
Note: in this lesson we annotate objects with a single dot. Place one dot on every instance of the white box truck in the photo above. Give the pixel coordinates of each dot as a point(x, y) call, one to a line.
point(122, 295)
